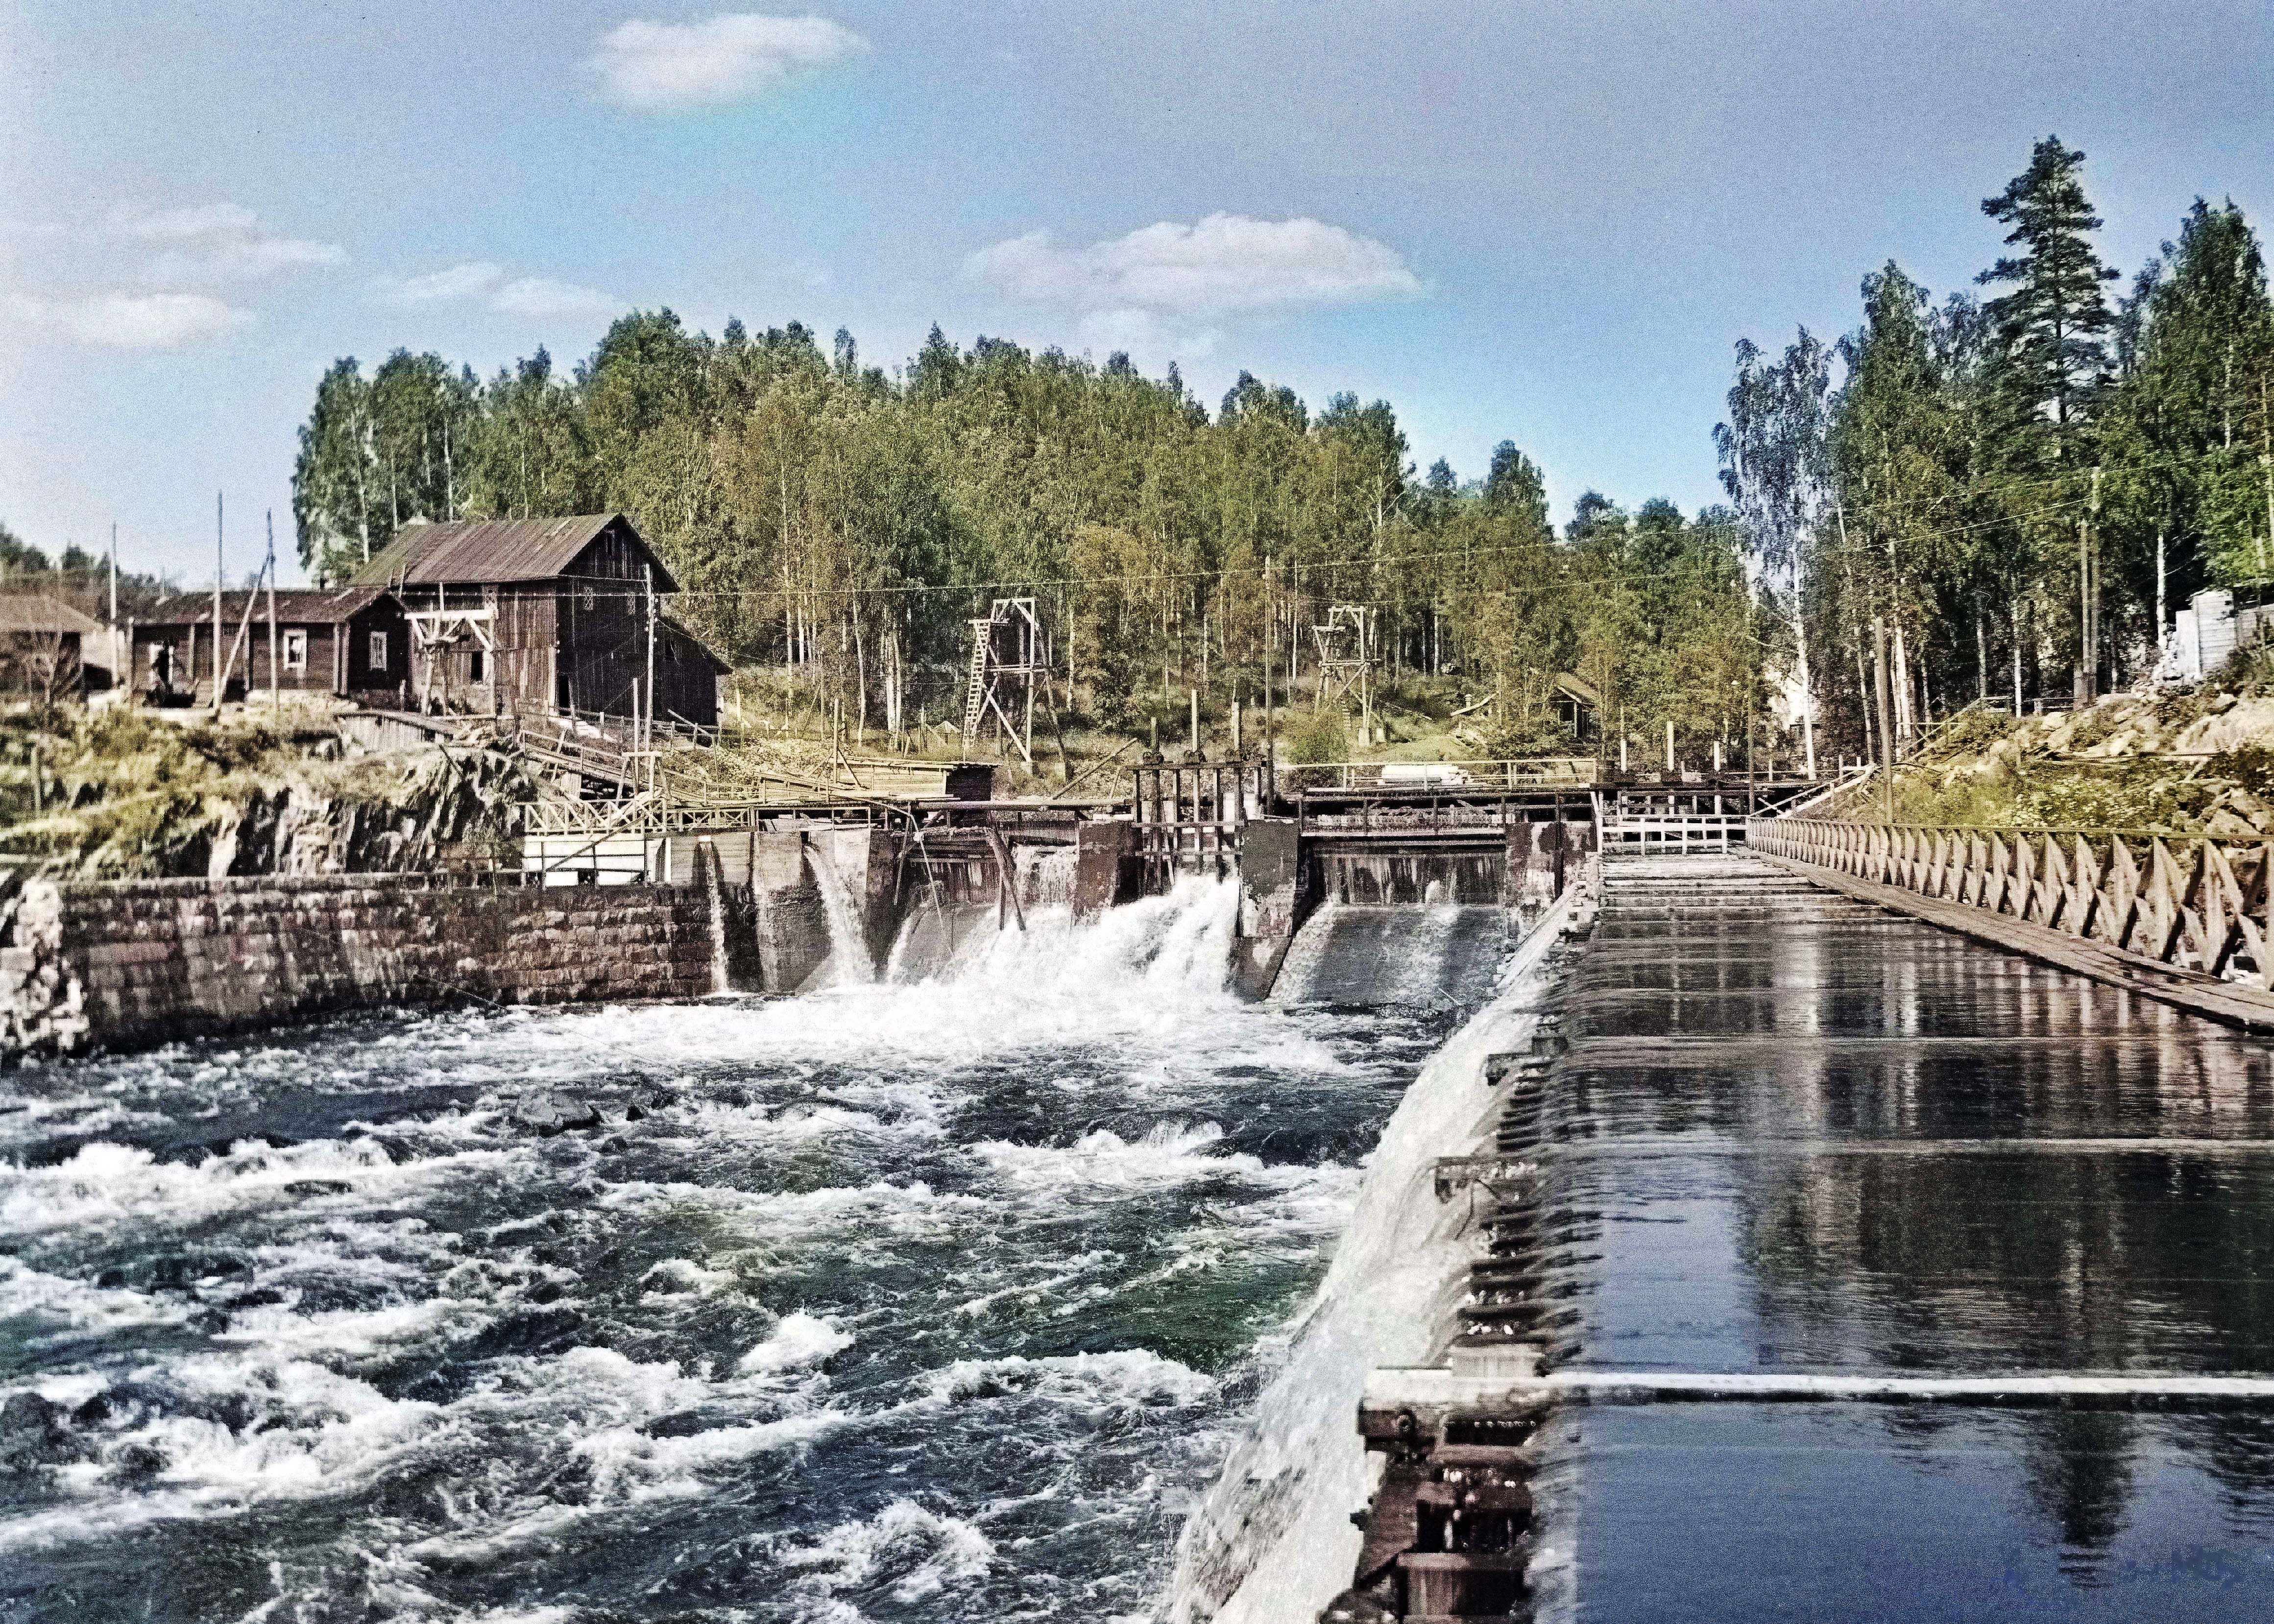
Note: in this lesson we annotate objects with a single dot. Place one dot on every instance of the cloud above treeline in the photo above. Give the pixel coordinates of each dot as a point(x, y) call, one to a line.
point(492, 286)
point(1223, 265)
point(653, 67)
point(222, 242)
point(1161, 286)
point(125, 320)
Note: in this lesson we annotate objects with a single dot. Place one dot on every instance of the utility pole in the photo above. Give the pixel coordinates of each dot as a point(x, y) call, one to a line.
point(114, 574)
point(1270, 642)
point(276, 681)
point(647, 732)
point(216, 636)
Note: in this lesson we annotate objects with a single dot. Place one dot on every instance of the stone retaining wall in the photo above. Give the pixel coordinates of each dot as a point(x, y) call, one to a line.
point(130, 965)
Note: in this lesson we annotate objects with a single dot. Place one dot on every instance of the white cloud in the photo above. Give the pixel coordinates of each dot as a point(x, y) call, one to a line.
point(222, 242)
point(500, 290)
point(467, 281)
point(541, 296)
point(129, 320)
point(667, 67)
point(1224, 264)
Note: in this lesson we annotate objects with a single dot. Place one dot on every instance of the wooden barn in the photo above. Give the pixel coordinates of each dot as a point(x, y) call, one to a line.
point(544, 616)
point(352, 643)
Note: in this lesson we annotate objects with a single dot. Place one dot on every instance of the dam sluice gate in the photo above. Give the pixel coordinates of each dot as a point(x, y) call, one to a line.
point(937, 1291)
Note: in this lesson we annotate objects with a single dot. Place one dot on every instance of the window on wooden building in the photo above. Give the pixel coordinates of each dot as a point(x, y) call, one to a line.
point(379, 651)
point(474, 665)
point(296, 651)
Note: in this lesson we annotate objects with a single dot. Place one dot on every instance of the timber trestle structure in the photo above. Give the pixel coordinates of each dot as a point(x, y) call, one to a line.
point(2183, 920)
point(2192, 904)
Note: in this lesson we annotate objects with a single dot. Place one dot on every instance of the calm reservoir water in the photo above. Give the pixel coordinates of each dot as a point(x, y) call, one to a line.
point(1799, 1134)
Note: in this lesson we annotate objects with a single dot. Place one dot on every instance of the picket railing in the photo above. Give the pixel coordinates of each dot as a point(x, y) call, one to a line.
point(2188, 902)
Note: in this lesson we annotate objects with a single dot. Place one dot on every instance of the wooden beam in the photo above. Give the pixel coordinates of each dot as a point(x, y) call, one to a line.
point(2192, 990)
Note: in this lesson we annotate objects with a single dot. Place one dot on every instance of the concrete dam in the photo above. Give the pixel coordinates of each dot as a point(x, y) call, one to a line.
point(1251, 1202)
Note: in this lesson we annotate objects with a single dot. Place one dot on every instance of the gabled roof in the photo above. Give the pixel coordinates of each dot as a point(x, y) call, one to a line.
point(700, 647)
point(295, 606)
point(1578, 688)
point(36, 611)
point(467, 552)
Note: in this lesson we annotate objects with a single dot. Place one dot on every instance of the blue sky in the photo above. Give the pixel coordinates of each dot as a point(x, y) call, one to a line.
point(1547, 223)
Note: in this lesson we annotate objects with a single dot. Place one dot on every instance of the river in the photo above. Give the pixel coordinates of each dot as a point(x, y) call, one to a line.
point(932, 1301)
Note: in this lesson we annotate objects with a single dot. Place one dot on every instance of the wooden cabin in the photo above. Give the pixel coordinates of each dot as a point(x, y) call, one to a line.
point(352, 643)
point(49, 650)
point(544, 616)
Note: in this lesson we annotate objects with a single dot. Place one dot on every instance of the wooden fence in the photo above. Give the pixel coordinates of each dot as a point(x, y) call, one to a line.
point(2186, 903)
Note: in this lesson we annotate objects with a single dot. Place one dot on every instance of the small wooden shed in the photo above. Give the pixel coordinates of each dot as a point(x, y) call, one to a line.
point(542, 617)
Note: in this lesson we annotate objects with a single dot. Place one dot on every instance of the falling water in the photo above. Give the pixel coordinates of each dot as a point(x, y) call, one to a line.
point(929, 1301)
point(850, 960)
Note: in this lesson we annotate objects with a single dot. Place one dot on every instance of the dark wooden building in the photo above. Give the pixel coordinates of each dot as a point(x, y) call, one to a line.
point(353, 642)
point(539, 616)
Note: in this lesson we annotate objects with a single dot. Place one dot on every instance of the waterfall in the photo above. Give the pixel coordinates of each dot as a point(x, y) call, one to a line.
point(850, 960)
point(1044, 875)
point(714, 884)
point(1273, 1540)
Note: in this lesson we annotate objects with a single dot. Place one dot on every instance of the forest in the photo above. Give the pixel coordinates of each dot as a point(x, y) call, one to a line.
point(2000, 495)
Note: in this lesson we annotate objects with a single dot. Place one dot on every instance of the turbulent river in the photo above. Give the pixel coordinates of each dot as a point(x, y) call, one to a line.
point(928, 1301)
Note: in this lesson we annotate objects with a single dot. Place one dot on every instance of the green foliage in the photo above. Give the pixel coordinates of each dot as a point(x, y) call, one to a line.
point(844, 525)
point(2000, 499)
point(123, 794)
point(1318, 735)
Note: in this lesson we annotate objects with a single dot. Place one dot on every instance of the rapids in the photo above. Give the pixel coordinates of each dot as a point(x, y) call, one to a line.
point(930, 1300)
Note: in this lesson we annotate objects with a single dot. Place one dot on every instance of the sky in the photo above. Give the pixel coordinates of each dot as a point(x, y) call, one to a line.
point(1547, 223)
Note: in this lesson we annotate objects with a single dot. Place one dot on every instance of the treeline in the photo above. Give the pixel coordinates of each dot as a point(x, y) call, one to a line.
point(75, 576)
point(2006, 496)
point(825, 516)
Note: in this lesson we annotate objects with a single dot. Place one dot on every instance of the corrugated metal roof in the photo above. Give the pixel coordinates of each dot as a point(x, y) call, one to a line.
point(36, 612)
point(477, 551)
point(299, 605)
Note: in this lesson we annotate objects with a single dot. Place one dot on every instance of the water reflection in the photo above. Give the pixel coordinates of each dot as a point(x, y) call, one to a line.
point(1802, 1134)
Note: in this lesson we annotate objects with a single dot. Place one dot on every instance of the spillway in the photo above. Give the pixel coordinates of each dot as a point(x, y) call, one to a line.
point(941, 1296)
point(1855, 1272)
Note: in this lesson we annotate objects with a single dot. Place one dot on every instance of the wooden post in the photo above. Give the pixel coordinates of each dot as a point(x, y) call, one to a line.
point(216, 636)
point(1196, 721)
point(275, 678)
point(647, 729)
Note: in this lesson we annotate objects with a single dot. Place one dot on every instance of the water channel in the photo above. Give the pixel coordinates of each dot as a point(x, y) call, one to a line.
point(1800, 1134)
point(949, 1299)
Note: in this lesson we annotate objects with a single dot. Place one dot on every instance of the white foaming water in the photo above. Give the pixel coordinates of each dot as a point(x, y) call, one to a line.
point(921, 1552)
point(849, 962)
point(1273, 1540)
point(799, 1340)
point(872, 1224)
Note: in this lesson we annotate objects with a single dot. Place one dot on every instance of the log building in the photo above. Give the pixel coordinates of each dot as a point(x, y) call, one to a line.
point(531, 617)
point(353, 642)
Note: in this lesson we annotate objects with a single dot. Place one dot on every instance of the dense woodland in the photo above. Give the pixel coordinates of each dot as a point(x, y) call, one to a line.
point(2000, 494)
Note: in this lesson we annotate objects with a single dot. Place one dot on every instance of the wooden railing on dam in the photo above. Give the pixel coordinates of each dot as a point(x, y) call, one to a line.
point(2184, 904)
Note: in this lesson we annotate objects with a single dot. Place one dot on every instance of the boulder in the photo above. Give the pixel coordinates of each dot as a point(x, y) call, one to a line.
point(548, 1114)
point(32, 1433)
